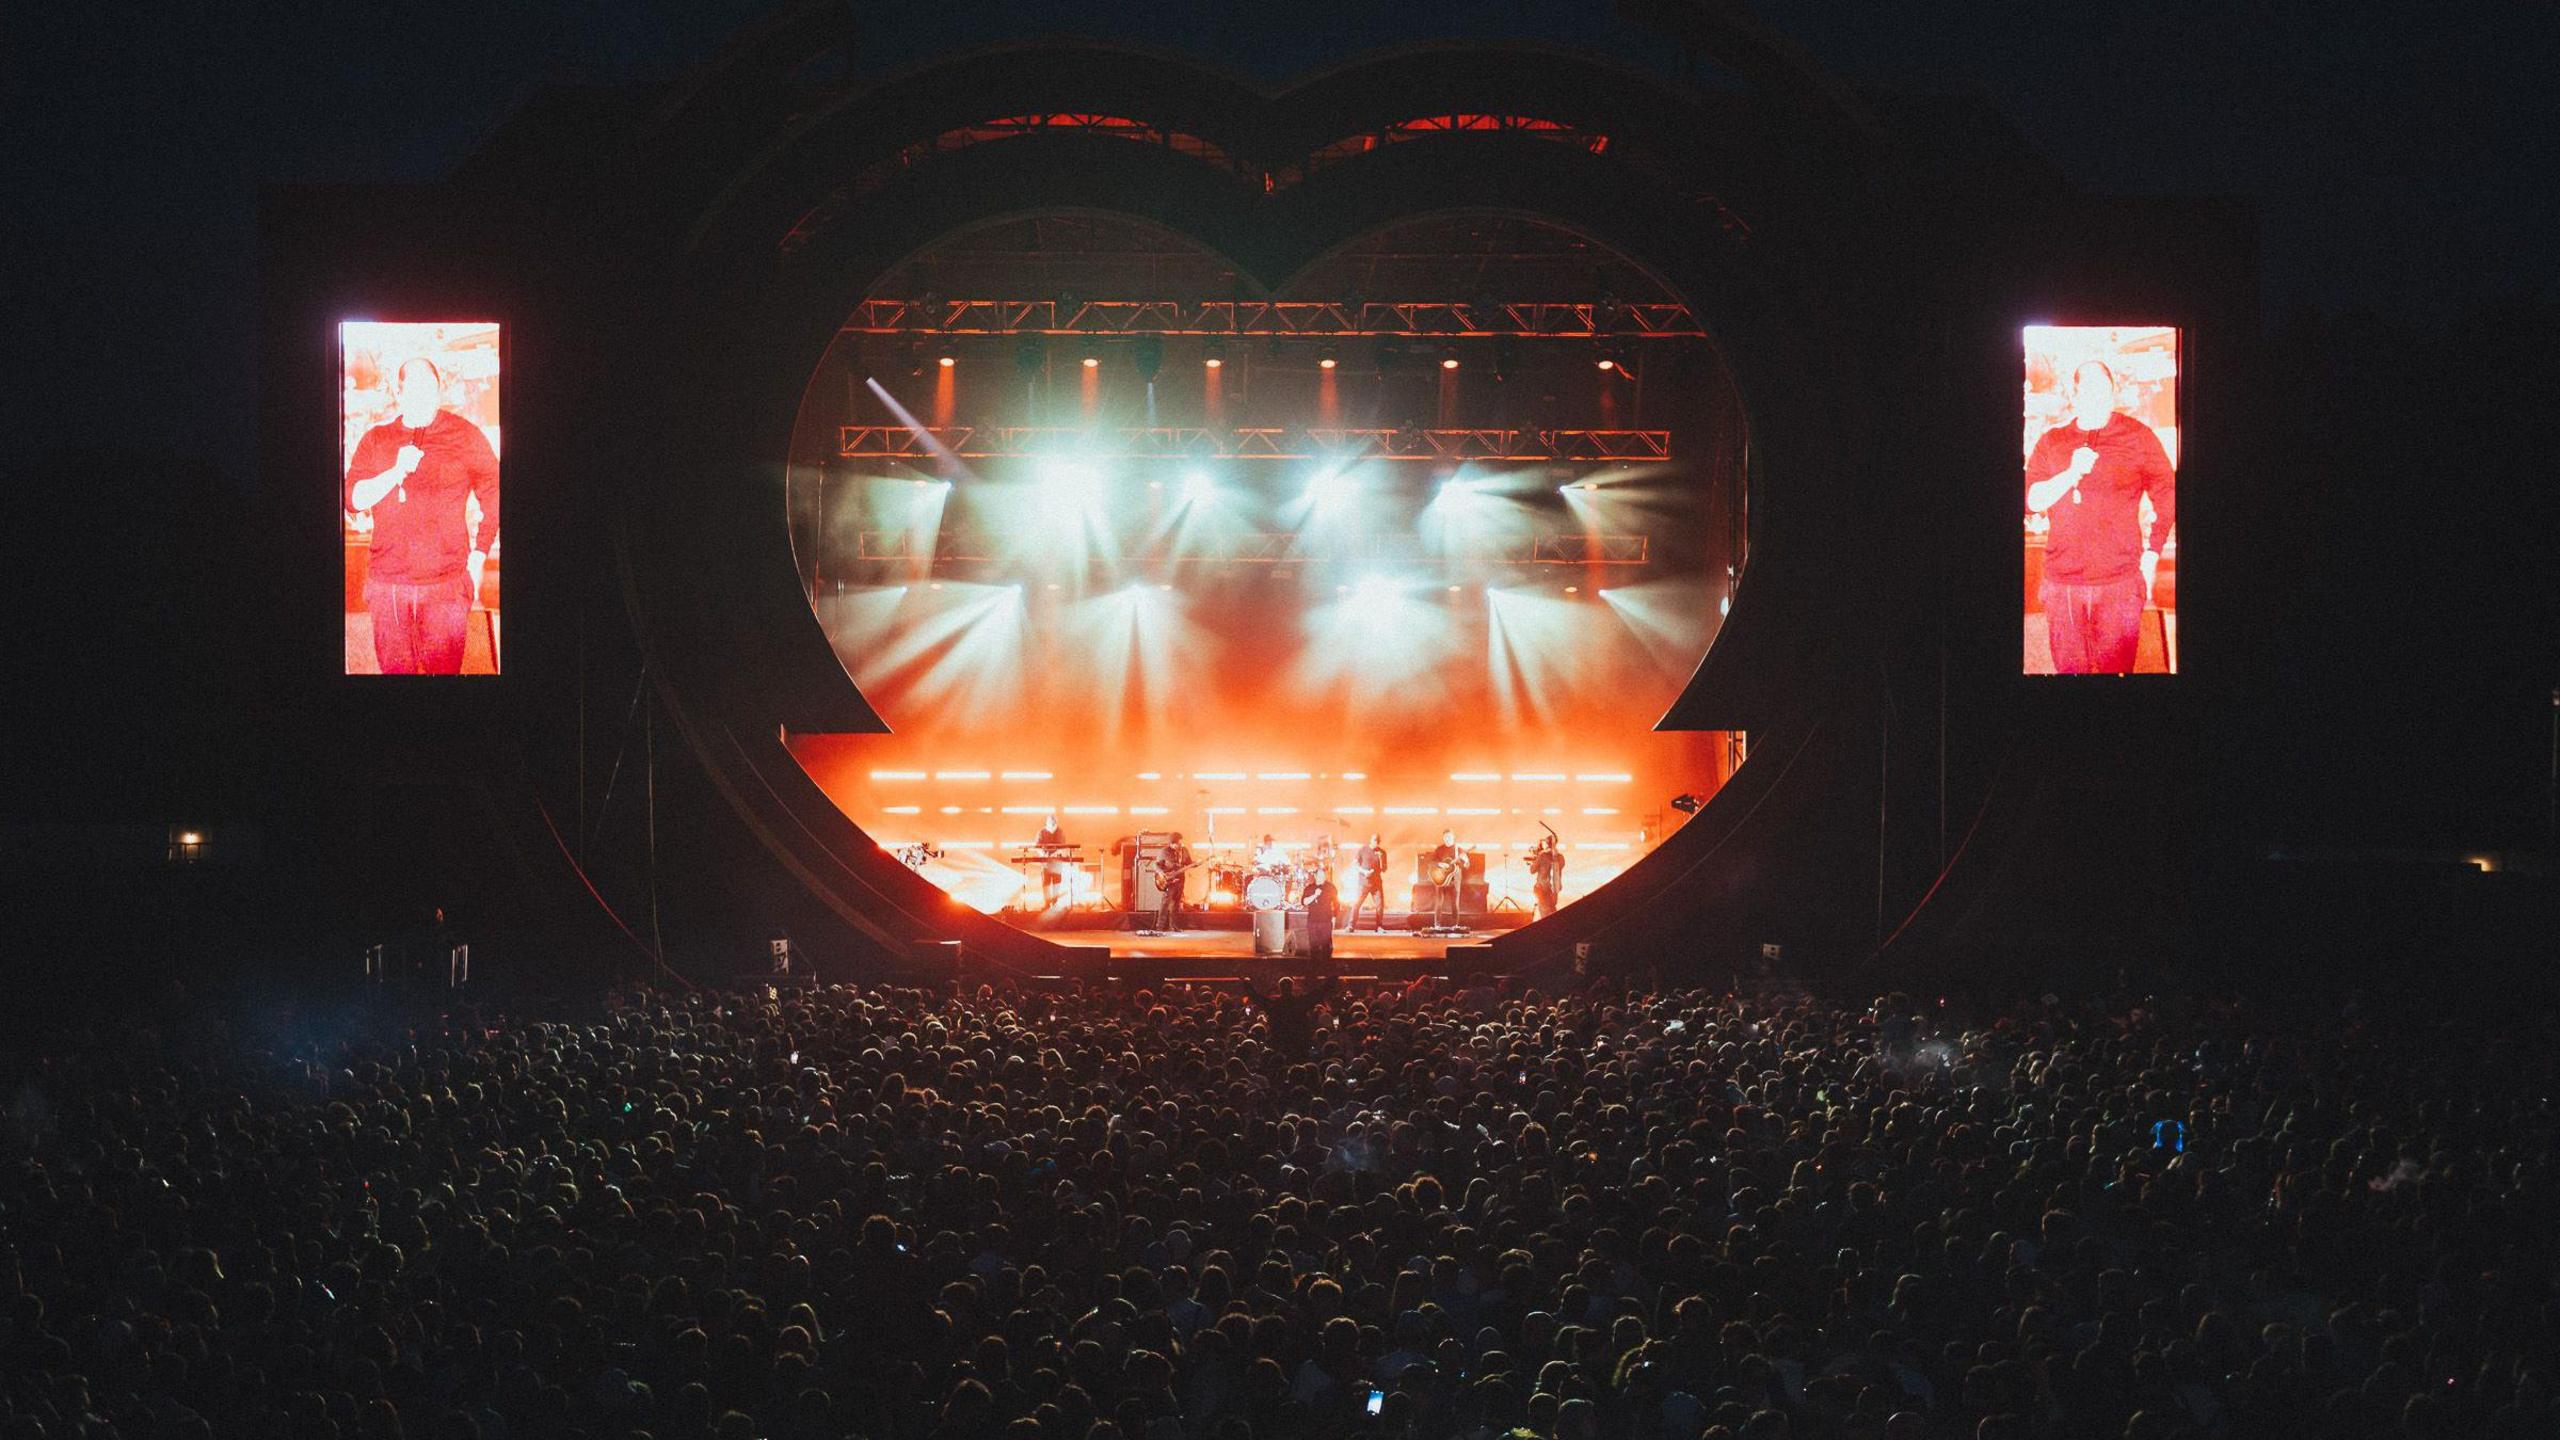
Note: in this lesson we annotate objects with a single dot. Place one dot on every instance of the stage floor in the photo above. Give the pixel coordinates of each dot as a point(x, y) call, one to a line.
point(1237, 945)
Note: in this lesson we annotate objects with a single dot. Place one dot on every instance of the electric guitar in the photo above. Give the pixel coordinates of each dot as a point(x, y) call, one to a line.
point(1364, 874)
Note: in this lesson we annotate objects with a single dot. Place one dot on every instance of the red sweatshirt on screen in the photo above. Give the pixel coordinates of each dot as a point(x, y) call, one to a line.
point(427, 537)
point(2098, 538)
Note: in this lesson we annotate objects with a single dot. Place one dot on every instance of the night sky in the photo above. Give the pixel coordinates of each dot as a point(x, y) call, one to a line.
point(2403, 157)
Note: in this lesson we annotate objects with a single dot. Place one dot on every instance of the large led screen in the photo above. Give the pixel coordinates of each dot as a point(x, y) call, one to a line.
point(418, 495)
point(2102, 500)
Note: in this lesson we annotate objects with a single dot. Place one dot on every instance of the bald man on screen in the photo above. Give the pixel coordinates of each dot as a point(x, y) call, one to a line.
point(416, 475)
point(2088, 477)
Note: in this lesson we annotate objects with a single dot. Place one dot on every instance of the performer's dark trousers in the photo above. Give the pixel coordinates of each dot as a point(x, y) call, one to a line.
point(2094, 628)
point(418, 629)
point(1374, 890)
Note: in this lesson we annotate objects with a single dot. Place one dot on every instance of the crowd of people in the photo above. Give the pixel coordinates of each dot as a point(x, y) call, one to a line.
point(1446, 1209)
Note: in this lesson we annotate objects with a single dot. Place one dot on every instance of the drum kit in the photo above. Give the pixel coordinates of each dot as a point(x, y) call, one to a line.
point(1270, 886)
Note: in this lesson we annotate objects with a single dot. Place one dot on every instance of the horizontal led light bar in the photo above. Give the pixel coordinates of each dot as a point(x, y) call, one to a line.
point(897, 775)
point(1027, 775)
point(1598, 810)
point(1149, 810)
point(903, 810)
point(1474, 777)
point(1474, 810)
point(1619, 779)
point(1541, 777)
point(961, 775)
point(1090, 810)
point(1413, 810)
point(1217, 775)
point(1275, 810)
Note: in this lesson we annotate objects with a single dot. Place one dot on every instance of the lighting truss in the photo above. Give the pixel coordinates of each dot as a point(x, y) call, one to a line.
point(1326, 319)
point(1178, 442)
point(1286, 547)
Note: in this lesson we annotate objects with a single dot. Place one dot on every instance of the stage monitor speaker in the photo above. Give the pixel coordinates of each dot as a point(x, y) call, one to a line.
point(1310, 935)
point(1270, 932)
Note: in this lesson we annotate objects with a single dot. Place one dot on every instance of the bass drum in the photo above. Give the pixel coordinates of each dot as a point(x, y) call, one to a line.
point(1266, 892)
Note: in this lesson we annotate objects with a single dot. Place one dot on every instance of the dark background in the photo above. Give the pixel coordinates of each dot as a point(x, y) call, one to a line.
point(2400, 159)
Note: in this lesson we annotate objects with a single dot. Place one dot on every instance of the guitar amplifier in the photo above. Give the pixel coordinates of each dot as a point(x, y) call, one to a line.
point(1474, 899)
point(1139, 889)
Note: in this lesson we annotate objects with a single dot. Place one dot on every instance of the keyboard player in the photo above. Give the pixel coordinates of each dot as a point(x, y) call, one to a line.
point(1051, 845)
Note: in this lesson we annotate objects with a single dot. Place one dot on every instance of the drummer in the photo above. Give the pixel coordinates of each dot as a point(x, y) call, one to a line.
point(1269, 858)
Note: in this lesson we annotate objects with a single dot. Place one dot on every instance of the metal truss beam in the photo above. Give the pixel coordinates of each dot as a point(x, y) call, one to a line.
point(1281, 547)
point(1315, 319)
point(1179, 442)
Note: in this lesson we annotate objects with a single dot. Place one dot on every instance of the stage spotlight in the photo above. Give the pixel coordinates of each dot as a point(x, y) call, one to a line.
point(1448, 357)
point(1148, 354)
point(1199, 486)
point(1686, 804)
point(1213, 352)
point(1608, 363)
point(1573, 589)
point(1093, 362)
point(947, 361)
point(1454, 589)
point(1327, 357)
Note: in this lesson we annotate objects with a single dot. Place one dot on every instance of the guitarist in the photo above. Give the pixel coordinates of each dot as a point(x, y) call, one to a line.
point(1369, 881)
point(1173, 866)
point(1445, 865)
point(1546, 873)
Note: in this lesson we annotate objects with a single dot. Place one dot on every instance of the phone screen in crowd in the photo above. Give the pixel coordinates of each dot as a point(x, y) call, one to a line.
point(1377, 1400)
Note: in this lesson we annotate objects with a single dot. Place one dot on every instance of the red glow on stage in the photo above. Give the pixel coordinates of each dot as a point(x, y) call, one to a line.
point(1303, 604)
